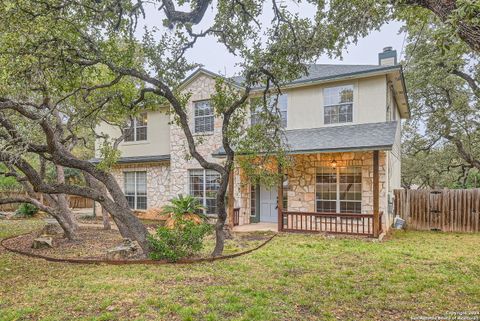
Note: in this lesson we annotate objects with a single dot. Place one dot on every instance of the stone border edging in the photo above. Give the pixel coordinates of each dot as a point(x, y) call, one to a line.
point(125, 262)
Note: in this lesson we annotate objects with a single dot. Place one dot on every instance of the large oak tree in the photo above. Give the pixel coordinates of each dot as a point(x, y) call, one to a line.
point(69, 64)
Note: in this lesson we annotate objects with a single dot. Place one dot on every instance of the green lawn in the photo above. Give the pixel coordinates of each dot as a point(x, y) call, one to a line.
point(294, 277)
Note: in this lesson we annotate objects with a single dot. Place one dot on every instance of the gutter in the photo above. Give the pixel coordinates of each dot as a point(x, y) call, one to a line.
point(330, 150)
point(405, 91)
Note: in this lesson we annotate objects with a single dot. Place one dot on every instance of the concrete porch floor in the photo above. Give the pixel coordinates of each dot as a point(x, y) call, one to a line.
point(262, 226)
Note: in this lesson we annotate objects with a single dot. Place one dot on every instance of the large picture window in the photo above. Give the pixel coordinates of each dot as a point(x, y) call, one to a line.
point(282, 105)
point(339, 190)
point(203, 116)
point(204, 185)
point(338, 104)
point(136, 189)
point(139, 130)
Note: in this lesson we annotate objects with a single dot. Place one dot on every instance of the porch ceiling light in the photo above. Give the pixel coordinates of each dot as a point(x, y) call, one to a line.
point(333, 163)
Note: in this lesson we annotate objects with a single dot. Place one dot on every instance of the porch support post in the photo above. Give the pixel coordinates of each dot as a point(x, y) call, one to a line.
point(376, 194)
point(231, 200)
point(280, 199)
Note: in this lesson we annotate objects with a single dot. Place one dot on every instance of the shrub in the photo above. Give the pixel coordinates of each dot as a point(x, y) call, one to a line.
point(26, 210)
point(183, 208)
point(183, 240)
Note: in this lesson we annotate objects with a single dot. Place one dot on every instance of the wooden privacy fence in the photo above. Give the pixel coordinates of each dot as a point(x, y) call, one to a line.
point(75, 201)
point(447, 210)
point(80, 202)
point(236, 216)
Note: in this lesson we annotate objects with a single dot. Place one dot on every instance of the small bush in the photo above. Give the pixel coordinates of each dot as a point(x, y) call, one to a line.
point(183, 240)
point(26, 210)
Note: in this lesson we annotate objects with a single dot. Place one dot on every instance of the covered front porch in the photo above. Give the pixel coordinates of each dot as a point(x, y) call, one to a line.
point(340, 193)
point(338, 181)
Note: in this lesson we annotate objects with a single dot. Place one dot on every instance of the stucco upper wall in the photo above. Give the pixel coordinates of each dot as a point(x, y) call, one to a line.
point(158, 137)
point(305, 104)
point(305, 110)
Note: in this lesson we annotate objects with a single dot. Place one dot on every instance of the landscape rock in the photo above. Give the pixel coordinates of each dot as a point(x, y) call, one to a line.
point(3, 216)
point(42, 242)
point(127, 250)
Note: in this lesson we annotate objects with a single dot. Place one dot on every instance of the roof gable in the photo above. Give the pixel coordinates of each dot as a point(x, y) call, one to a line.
point(197, 73)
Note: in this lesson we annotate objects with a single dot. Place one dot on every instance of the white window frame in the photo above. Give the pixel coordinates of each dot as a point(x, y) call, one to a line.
point(253, 201)
point(338, 105)
point(204, 117)
point(204, 186)
point(135, 128)
point(337, 189)
point(135, 195)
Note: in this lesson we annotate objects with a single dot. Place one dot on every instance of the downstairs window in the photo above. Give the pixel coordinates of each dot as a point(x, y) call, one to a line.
point(339, 190)
point(136, 189)
point(204, 185)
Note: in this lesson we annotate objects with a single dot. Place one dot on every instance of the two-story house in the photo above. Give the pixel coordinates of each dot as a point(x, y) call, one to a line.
point(342, 126)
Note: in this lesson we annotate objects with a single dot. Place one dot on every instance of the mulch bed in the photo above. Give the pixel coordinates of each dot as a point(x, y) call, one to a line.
point(94, 243)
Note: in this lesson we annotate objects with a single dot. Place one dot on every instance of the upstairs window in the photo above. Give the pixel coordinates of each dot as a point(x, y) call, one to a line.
point(203, 116)
point(139, 130)
point(282, 104)
point(338, 104)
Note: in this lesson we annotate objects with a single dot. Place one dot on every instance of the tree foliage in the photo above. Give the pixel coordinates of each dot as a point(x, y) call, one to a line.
point(443, 76)
point(68, 65)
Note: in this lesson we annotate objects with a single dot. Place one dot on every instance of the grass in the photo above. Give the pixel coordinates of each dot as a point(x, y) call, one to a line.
point(294, 277)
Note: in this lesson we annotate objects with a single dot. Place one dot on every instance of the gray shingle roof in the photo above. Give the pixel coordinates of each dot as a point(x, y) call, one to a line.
point(343, 138)
point(328, 71)
point(373, 136)
point(137, 159)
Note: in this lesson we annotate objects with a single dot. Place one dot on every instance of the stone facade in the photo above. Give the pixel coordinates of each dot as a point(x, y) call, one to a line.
point(158, 181)
point(302, 181)
point(201, 88)
point(302, 176)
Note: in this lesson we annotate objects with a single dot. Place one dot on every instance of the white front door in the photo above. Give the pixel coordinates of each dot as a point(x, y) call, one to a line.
point(268, 204)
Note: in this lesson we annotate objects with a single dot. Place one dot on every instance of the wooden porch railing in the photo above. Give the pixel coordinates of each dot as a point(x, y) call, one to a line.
point(236, 216)
point(352, 224)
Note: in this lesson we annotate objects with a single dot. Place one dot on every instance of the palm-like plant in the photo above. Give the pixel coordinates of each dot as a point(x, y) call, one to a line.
point(184, 208)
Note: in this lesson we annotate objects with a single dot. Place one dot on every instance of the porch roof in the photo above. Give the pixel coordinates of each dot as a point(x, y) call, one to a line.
point(343, 138)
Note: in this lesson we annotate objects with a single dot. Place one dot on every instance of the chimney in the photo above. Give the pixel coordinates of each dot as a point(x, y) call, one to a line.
point(388, 57)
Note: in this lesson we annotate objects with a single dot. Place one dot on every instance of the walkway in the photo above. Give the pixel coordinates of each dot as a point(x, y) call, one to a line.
point(262, 226)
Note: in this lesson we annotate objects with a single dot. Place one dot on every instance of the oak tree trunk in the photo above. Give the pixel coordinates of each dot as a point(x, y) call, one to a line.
point(129, 225)
point(115, 203)
point(106, 219)
point(66, 217)
point(69, 227)
point(220, 233)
